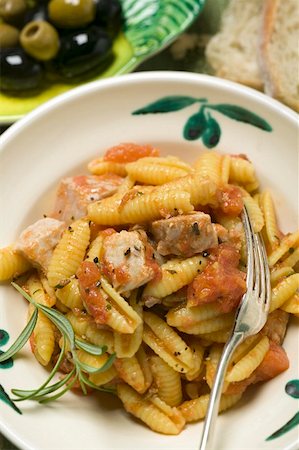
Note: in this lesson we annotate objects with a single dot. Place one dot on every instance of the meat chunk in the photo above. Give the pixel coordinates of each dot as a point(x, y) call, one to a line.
point(38, 241)
point(75, 193)
point(221, 281)
point(185, 235)
point(128, 260)
point(276, 326)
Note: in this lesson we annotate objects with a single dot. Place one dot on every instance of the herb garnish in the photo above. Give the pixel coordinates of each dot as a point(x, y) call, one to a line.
point(78, 373)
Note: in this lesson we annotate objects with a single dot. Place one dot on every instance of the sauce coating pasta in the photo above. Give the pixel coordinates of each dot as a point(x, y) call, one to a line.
point(152, 265)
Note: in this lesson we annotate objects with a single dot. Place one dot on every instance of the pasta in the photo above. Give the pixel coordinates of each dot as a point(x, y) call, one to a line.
point(153, 306)
point(167, 380)
point(12, 264)
point(170, 422)
point(194, 410)
point(292, 305)
point(69, 295)
point(244, 368)
point(37, 292)
point(284, 290)
point(166, 343)
point(69, 252)
point(287, 243)
point(209, 165)
point(151, 173)
point(175, 274)
point(86, 328)
point(130, 370)
point(126, 345)
point(270, 219)
point(42, 340)
point(241, 171)
point(99, 167)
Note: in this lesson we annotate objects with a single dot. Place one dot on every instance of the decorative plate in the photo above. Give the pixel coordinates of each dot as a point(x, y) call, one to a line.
point(149, 26)
point(57, 139)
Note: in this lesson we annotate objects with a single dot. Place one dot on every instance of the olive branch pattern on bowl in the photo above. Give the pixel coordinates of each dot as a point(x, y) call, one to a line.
point(292, 389)
point(202, 125)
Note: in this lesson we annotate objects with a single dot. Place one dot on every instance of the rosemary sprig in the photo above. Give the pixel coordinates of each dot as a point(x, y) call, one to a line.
point(21, 340)
point(32, 394)
point(89, 369)
point(49, 392)
point(90, 348)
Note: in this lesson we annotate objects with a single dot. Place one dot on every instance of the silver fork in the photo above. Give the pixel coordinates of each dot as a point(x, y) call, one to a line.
point(250, 318)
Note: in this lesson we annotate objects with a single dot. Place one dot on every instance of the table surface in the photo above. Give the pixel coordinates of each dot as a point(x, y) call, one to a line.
point(192, 61)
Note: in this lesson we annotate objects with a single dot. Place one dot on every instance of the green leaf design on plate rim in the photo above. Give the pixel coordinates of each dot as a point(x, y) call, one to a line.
point(202, 125)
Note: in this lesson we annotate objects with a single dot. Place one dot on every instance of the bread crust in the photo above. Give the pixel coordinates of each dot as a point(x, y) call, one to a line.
point(232, 52)
point(271, 68)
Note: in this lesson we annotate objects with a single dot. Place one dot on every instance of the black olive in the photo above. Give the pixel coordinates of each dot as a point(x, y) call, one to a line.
point(109, 15)
point(81, 51)
point(18, 72)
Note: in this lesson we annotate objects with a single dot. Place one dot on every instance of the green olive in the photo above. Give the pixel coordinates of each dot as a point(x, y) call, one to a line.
point(9, 36)
point(12, 11)
point(40, 40)
point(71, 13)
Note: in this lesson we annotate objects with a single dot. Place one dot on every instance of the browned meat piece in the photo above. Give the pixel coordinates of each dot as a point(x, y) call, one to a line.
point(185, 235)
point(128, 260)
point(38, 241)
point(76, 193)
point(276, 326)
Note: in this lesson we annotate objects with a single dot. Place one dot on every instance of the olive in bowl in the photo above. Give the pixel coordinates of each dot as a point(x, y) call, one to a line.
point(81, 51)
point(71, 13)
point(19, 72)
point(40, 40)
point(12, 11)
point(9, 36)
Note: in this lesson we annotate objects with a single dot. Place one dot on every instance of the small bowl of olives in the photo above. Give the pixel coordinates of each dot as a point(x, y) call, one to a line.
point(50, 46)
point(59, 39)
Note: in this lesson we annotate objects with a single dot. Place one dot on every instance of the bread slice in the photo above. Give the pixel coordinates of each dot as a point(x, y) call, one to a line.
point(232, 52)
point(279, 51)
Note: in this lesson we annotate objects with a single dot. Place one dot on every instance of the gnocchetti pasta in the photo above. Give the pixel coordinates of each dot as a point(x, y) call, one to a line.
point(146, 256)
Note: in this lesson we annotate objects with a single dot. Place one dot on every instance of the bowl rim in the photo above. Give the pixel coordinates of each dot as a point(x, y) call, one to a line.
point(154, 77)
point(129, 80)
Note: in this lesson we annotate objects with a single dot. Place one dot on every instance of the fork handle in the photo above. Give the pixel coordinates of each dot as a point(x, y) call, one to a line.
point(213, 407)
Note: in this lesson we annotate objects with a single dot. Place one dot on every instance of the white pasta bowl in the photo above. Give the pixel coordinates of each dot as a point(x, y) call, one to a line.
point(58, 139)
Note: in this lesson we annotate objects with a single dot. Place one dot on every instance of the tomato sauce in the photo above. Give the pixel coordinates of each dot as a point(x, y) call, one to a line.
point(89, 282)
point(129, 152)
point(230, 200)
point(221, 281)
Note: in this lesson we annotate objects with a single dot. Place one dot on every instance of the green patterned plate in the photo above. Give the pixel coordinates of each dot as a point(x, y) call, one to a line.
point(150, 25)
